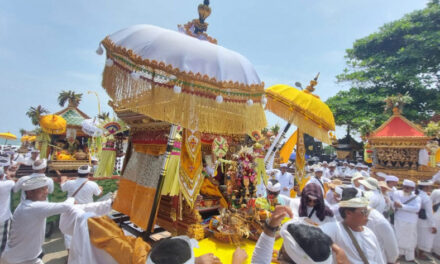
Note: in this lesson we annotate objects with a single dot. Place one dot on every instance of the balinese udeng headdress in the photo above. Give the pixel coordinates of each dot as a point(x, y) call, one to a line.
point(273, 187)
point(42, 165)
point(85, 169)
point(192, 243)
point(321, 209)
point(294, 250)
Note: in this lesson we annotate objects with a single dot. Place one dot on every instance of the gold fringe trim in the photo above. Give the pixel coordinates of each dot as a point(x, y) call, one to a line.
point(155, 150)
point(190, 111)
point(307, 125)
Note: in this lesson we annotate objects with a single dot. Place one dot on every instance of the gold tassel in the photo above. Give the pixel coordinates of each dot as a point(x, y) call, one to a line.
point(190, 111)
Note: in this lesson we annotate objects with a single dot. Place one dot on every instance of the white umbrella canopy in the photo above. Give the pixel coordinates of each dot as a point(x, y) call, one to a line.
point(173, 77)
point(90, 127)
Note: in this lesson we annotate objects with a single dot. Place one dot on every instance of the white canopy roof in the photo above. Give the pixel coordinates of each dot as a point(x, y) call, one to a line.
point(186, 53)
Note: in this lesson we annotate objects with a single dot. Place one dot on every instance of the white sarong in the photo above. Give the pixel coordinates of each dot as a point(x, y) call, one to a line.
point(406, 234)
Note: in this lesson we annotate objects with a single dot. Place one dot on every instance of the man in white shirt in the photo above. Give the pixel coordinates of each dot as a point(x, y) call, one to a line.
point(26, 238)
point(407, 205)
point(6, 186)
point(426, 228)
point(331, 172)
point(39, 168)
point(318, 179)
point(81, 189)
point(352, 230)
point(35, 155)
point(286, 180)
point(372, 192)
point(380, 226)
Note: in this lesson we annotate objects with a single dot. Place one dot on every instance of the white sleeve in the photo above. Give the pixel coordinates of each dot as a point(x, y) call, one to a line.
point(330, 230)
point(427, 204)
point(263, 250)
point(50, 185)
point(96, 190)
point(413, 207)
point(389, 241)
point(47, 209)
point(99, 208)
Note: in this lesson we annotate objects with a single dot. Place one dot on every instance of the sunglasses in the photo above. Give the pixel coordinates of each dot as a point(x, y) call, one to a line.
point(364, 211)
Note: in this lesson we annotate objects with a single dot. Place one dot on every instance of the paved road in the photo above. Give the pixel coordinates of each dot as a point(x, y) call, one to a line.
point(55, 252)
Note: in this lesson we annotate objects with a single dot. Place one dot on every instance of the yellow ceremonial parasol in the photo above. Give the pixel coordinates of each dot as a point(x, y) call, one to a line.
point(303, 109)
point(27, 138)
point(53, 124)
point(7, 136)
point(307, 112)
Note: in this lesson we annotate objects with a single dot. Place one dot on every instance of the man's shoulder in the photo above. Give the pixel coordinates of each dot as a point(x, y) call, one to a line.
point(8, 184)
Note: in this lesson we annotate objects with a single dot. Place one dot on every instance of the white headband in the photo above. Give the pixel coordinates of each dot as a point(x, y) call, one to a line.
point(192, 243)
point(34, 183)
point(4, 163)
point(357, 202)
point(409, 183)
point(273, 188)
point(84, 171)
point(43, 165)
point(295, 252)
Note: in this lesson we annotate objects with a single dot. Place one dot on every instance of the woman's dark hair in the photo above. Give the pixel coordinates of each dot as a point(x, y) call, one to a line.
point(320, 208)
point(312, 240)
point(176, 251)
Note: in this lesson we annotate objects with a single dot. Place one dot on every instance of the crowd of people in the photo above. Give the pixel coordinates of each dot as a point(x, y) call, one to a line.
point(343, 214)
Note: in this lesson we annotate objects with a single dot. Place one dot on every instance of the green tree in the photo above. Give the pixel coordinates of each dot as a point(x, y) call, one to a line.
point(69, 96)
point(402, 57)
point(35, 113)
point(22, 131)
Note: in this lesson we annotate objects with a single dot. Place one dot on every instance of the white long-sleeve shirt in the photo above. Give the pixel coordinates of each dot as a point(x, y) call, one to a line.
point(286, 181)
point(263, 250)
point(85, 195)
point(5, 200)
point(385, 235)
point(426, 204)
point(408, 212)
point(366, 239)
point(377, 201)
point(20, 181)
point(26, 235)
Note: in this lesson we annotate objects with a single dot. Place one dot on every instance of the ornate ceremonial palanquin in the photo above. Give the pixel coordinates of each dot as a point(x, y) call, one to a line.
point(396, 145)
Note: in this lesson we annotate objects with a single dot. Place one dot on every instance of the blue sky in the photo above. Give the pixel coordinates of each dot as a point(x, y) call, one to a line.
point(49, 45)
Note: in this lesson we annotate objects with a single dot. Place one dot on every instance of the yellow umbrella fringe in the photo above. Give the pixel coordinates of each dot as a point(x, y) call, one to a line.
point(306, 125)
point(190, 111)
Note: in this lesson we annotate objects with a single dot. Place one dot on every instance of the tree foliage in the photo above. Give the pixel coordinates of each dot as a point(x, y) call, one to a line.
point(69, 96)
point(402, 57)
point(35, 113)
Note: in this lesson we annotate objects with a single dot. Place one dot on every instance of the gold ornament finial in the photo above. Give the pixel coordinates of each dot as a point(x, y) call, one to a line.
point(311, 87)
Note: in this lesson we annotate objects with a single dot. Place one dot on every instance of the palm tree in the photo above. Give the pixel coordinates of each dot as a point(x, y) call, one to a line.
point(22, 131)
point(104, 116)
point(69, 96)
point(34, 113)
